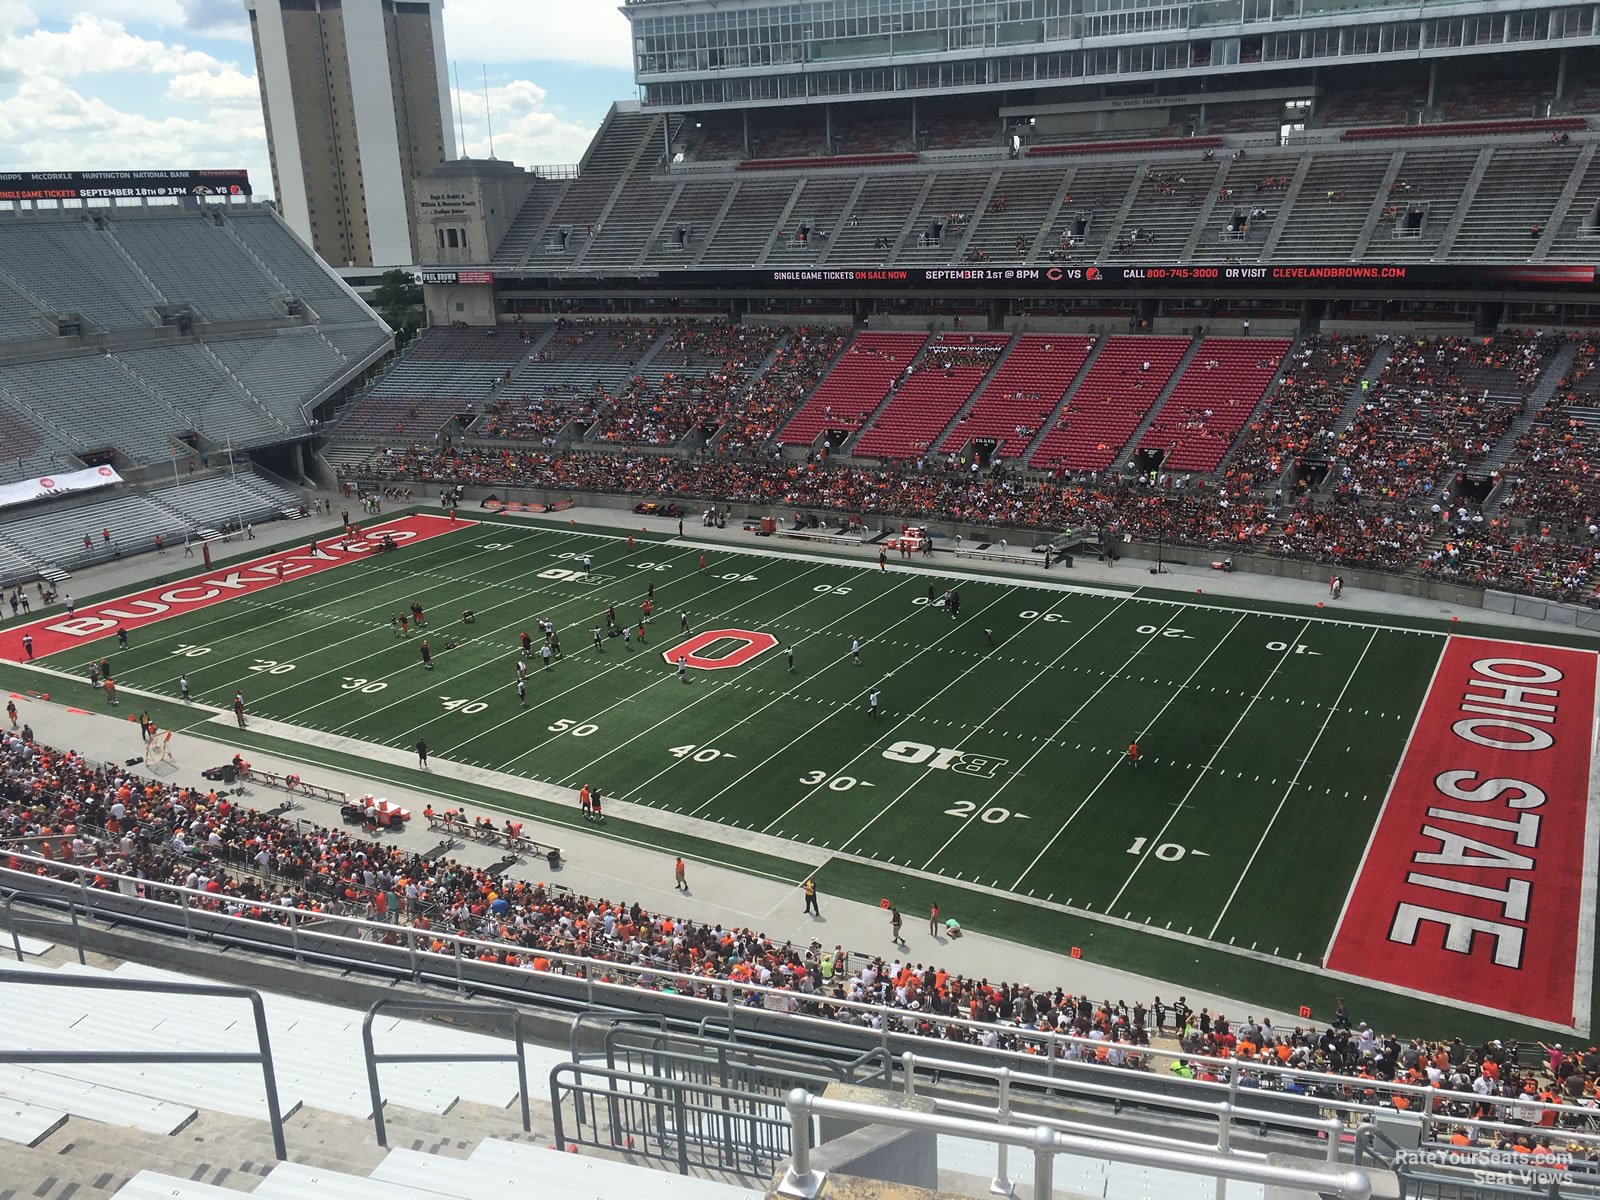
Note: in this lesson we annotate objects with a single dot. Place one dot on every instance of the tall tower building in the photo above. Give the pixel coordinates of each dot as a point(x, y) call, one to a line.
point(357, 103)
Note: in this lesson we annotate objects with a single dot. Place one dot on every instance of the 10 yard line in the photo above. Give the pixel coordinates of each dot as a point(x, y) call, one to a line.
point(1238, 883)
point(1200, 778)
point(1176, 692)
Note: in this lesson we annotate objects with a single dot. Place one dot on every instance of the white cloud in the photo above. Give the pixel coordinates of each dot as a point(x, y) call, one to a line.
point(526, 132)
point(587, 32)
point(228, 87)
point(96, 45)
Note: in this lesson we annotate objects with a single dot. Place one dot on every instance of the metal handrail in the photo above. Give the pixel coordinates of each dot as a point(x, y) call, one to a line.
point(1226, 1112)
point(609, 983)
point(12, 922)
point(803, 1182)
point(373, 1059)
point(262, 1056)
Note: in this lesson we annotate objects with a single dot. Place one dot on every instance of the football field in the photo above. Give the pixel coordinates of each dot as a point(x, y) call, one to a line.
point(997, 757)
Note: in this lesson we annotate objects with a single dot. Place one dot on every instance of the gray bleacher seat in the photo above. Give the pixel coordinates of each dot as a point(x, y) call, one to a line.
point(55, 535)
point(20, 317)
point(294, 265)
point(92, 400)
point(283, 370)
point(193, 382)
point(193, 259)
point(74, 267)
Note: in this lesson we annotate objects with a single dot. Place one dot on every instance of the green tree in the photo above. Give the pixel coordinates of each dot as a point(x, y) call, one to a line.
point(398, 297)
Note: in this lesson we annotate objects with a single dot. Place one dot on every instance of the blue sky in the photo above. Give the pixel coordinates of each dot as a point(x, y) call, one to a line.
point(107, 84)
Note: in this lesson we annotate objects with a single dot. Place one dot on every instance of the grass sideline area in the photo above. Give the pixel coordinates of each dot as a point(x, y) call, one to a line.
point(992, 776)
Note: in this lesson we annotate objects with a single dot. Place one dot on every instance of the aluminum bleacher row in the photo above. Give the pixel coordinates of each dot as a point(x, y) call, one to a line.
point(53, 535)
point(630, 210)
point(250, 382)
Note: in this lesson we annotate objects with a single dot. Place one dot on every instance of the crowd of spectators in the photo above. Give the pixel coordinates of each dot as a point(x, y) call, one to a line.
point(540, 417)
point(67, 809)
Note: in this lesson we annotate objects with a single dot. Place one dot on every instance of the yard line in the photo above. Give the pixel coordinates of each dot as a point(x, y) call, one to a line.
point(440, 678)
point(720, 615)
point(227, 615)
point(673, 716)
point(1115, 763)
point(787, 692)
point(981, 659)
point(1238, 883)
point(1200, 777)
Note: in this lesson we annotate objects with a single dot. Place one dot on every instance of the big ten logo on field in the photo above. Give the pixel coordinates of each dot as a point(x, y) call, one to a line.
point(937, 758)
point(729, 648)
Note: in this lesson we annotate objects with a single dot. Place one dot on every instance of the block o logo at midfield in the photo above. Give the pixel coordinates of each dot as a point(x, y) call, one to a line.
point(745, 646)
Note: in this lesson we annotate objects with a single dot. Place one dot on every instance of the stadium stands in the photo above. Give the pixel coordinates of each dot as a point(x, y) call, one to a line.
point(1102, 412)
point(1212, 401)
point(859, 381)
point(1515, 198)
point(750, 216)
point(925, 402)
point(1019, 399)
point(21, 319)
point(204, 265)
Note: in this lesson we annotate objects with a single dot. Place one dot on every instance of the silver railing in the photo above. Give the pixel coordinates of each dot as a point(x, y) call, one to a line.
point(744, 1011)
point(262, 1056)
point(803, 1181)
point(492, 1012)
point(1226, 1112)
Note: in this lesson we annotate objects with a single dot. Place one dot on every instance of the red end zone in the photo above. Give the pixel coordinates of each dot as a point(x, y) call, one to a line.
point(94, 621)
point(1474, 883)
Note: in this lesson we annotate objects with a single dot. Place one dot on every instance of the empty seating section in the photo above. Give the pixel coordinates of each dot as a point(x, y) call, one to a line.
point(25, 448)
point(195, 385)
point(20, 318)
point(814, 219)
point(943, 220)
point(1104, 409)
point(76, 396)
point(1094, 192)
point(1245, 206)
point(1467, 129)
point(1513, 202)
point(284, 371)
point(1009, 223)
point(802, 135)
point(74, 267)
point(695, 209)
point(1212, 400)
point(299, 270)
point(620, 241)
point(1431, 182)
point(589, 354)
point(356, 342)
point(53, 534)
point(1157, 225)
point(873, 227)
point(1155, 145)
point(1382, 106)
point(751, 223)
point(215, 501)
point(960, 133)
point(874, 135)
point(587, 196)
point(1482, 99)
point(1331, 209)
point(923, 404)
point(201, 263)
point(1251, 116)
point(1578, 238)
point(860, 379)
point(836, 160)
point(1015, 404)
point(519, 238)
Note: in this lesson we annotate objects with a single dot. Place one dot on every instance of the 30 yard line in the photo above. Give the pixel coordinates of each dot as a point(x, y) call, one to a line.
point(1117, 763)
point(1200, 777)
point(1266, 832)
point(855, 837)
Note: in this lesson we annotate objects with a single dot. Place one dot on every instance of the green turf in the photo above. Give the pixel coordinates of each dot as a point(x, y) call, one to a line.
point(1268, 733)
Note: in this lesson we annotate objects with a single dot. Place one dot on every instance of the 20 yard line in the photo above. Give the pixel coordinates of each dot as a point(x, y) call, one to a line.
point(1116, 764)
point(1200, 777)
point(1293, 783)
